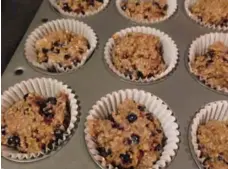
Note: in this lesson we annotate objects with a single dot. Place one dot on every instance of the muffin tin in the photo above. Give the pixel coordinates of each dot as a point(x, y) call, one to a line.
point(94, 80)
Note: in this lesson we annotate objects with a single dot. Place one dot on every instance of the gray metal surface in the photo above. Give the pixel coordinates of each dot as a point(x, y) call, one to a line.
point(182, 92)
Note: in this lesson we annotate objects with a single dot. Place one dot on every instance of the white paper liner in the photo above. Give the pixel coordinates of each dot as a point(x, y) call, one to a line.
point(188, 4)
point(153, 104)
point(170, 52)
point(200, 46)
point(70, 25)
point(74, 14)
point(172, 7)
point(46, 87)
point(212, 111)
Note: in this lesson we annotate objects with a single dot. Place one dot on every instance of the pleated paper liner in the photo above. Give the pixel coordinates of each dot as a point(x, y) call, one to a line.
point(217, 110)
point(153, 104)
point(71, 25)
point(172, 7)
point(170, 53)
point(76, 15)
point(45, 87)
point(188, 4)
point(199, 47)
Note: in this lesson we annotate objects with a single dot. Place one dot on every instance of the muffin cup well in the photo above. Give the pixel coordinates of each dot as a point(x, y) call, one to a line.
point(74, 14)
point(172, 7)
point(45, 87)
point(188, 4)
point(70, 25)
point(170, 52)
point(212, 111)
point(199, 47)
point(153, 104)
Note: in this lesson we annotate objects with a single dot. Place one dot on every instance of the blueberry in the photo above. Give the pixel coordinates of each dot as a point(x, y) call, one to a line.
point(165, 7)
point(44, 50)
point(141, 108)
point(158, 147)
point(225, 59)
point(124, 7)
point(159, 130)
point(91, 2)
point(206, 160)
point(209, 62)
point(25, 96)
point(149, 75)
point(50, 145)
point(56, 51)
point(210, 54)
point(150, 116)
point(41, 103)
point(132, 117)
point(153, 134)
point(58, 134)
point(13, 141)
point(43, 148)
point(103, 152)
point(66, 57)
point(66, 7)
point(128, 73)
point(52, 100)
point(157, 5)
point(135, 138)
point(3, 129)
point(52, 69)
point(75, 62)
point(101, 1)
point(125, 158)
point(44, 20)
point(220, 158)
point(140, 74)
point(56, 43)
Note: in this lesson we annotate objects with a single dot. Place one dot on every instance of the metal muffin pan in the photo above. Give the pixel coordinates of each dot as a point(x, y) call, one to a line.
point(180, 91)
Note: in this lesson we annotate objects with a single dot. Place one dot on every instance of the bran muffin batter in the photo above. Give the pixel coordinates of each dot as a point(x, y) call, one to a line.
point(32, 125)
point(213, 144)
point(130, 138)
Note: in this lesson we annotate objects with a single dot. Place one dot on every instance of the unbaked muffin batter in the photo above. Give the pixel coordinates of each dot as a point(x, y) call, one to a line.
point(148, 10)
point(80, 6)
point(213, 12)
point(32, 125)
point(131, 138)
point(213, 143)
point(62, 48)
point(213, 65)
point(138, 55)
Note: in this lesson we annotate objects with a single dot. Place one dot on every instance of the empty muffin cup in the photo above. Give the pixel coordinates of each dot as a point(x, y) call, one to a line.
point(209, 59)
point(109, 103)
point(214, 111)
point(220, 26)
point(81, 10)
point(67, 33)
point(161, 61)
point(144, 17)
point(43, 87)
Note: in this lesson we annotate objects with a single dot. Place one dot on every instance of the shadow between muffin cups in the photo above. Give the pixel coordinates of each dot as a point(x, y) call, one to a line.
point(49, 88)
point(104, 107)
point(76, 15)
point(169, 53)
point(217, 110)
point(172, 8)
point(188, 4)
point(70, 25)
point(198, 47)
